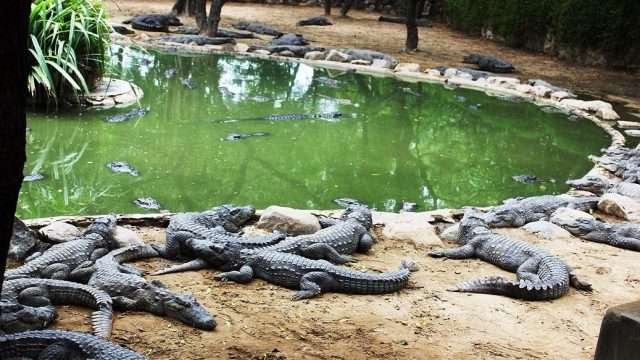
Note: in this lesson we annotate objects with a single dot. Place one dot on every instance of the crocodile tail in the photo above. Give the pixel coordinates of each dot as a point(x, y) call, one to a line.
point(192, 265)
point(585, 204)
point(132, 253)
point(523, 289)
point(357, 282)
point(101, 321)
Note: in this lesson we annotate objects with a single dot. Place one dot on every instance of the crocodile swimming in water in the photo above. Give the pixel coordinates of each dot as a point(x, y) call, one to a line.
point(153, 22)
point(329, 116)
point(134, 113)
point(44, 292)
point(58, 345)
point(123, 167)
point(60, 259)
point(130, 291)
point(540, 275)
point(237, 136)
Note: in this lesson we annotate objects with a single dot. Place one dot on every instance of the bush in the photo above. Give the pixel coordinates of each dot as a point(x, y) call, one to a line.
point(68, 42)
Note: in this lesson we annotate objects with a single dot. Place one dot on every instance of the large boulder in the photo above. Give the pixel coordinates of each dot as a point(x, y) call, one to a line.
point(619, 337)
point(407, 67)
point(546, 230)
point(566, 216)
point(314, 55)
point(620, 206)
point(23, 241)
point(291, 221)
point(335, 55)
point(451, 233)
point(600, 108)
point(411, 227)
point(59, 232)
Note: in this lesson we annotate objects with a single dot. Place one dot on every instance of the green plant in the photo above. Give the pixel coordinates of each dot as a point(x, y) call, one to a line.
point(68, 43)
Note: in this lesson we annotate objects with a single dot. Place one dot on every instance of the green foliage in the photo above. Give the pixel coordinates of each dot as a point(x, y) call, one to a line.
point(68, 43)
point(612, 26)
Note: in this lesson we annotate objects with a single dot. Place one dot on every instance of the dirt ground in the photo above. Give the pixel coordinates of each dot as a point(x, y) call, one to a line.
point(259, 321)
point(439, 45)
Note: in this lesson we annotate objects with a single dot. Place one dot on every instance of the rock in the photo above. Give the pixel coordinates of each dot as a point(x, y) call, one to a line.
point(628, 189)
point(126, 237)
point(59, 232)
point(503, 81)
point(618, 339)
point(629, 125)
point(632, 133)
point(546, 230)
point(409, 207)
point(407, 67)
point(524, 89)
point(371, 55)
point(23, 241)
point(602, 109)
point(287, 53)
point(381, 64)
point(292, 221)
point(361, 62)
point(565, 216)
point(541, 91)
point(450, 233)
point(314, 55)
point(620, 206)
point(412, 227)
point(434, 72)
point(335, 55)
point(561, 95)
point(241, 48)
point(262, 52)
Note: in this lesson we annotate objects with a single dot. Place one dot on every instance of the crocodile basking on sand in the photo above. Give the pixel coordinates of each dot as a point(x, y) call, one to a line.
point(600, 185)
point(623, 162)
point(518, 212)
point(153, 22)
point(488, 63)
point(310, 277)
point(624, 236)
point(56, 344)
point(60, 259)
point(130, 291)
point(540, 275)
point(45, 292)
point(15, 317)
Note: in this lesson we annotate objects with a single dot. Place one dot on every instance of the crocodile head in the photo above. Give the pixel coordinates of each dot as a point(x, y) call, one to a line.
point(185, 308)
point(504, 216)
point(15, 317)
point(471, 225)
point(173, 20)
point(594, 184)
point(103, 227)
point(231, 217)
point(225, 256)
point(580, 226)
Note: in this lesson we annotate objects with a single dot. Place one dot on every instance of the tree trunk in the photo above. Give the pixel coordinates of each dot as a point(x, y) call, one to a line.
point(327, 7)
point(201, 14)
point(13, 90)
point(214, 17)
point(191, 7)
point(412, 28)
point(346, 6)
point(179, 7)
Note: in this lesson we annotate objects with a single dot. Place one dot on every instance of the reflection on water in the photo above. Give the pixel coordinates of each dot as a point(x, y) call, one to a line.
point(442, 148)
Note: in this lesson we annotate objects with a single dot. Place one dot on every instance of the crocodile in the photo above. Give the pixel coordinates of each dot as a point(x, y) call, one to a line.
point(257, 28)
point(475, 74)
point(290, 117)
point(297, 50)
point(488, 63)
point(123, 167)
point(130, 291)
point(289, 39)
point(147, 203)
point(134, 113)
point(24, 241)
point(315, 21)
point(518, 212)
point(188, 83)
point(335, 242)
point(15, 317)
point(57, 344)
point(170, 73)
point(526, 179)
point(624, 236)
point(237, 136)
point(623, 162)
point(600, 185)
point(44, 292)
point(153, 22)
point(540, 275)
point(60, 259)
point(213, 223)
point(33, 177)
point(310, 277)
point(199, 40)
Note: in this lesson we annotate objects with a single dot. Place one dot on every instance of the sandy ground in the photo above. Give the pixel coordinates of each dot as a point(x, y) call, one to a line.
point(259, 321)
point(439, 45)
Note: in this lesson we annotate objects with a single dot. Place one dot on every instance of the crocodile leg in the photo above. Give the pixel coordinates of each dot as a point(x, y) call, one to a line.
point(365, 243)
point(34, 296)
point(66, 350)
point(243, 276)
point(192, 265)
point(98, 253)
point(462, 252)
point(577, 283)
point(124, 303)
point(312, 284)
point(174, 242)
point(83, 272)
point(129, 269)
point(325, 251)
point(57, 271)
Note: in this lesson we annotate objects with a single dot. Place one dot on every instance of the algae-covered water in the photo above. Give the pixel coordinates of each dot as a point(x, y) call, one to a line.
point(394, 142)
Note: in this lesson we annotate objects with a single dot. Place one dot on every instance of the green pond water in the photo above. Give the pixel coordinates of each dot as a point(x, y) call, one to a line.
point(443, 148)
